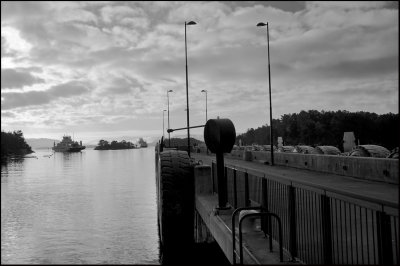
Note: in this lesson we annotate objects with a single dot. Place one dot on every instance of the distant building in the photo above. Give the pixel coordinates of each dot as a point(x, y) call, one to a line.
point(349, 141)
point(280, 142)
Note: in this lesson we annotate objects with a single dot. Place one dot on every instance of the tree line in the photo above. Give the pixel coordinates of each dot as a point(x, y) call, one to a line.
point(114, 145)
point(13, 144)
point(316, 128)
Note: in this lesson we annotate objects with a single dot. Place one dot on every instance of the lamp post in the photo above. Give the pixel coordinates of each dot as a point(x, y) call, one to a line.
point(262, 24)
point(187, 90)
point(169, 136)
point(206, 102)
point(163, 127)
point(206, 110)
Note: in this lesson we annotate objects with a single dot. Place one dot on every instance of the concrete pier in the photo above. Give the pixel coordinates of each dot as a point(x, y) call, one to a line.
point(319, 213)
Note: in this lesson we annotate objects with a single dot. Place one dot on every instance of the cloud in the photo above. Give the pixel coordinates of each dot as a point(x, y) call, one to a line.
point(14, 100)
point(126, 15)
point(124, 56)
point(7, 115)
point(17, 79)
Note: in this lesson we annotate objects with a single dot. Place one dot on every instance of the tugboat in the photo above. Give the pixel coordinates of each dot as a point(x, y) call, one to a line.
point(68, 145)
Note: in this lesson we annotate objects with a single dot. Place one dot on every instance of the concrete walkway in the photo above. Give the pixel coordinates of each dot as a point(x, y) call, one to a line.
point(363, 188)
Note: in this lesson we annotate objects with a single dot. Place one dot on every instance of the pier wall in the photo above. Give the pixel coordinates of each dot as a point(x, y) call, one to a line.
point(375, 169)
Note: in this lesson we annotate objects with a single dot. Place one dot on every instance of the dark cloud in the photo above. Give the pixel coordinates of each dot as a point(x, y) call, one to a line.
point(14, 100)
point(357, 69)
point(69, 89)
point(17, 78)
point(7, 114)
point(370, 90)
point(5, 48)
point(122, 85)
point(291, 6)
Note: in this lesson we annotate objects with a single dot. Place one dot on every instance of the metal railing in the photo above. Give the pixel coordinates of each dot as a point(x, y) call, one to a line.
point(261, 214)
point(320, 225)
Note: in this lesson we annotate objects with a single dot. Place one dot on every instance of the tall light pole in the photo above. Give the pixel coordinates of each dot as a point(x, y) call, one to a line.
point(206, 110)
point(187, 90)
point(169, 136)
point(206, 102)
point(163, 127)
point(262, 24)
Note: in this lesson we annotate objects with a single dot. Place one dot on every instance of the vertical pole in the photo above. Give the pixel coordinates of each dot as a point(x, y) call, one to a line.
point(222, 183)
point(266, 221)
point(163, 128)
point(187, 97)
point(213, 176)
point(384, 238)
point(234, 189)
point(292, 222)
point(270, 102)
point(206, 114)
point(169, 136)
point(206, 107)
point(246, 190)
point(326, 229)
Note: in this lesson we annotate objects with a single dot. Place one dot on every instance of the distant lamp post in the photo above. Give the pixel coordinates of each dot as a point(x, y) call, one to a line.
point(262, 24)
point(206, 102)
point(163, 127)
point(206, 110)
point(169, 136)
point(187, 90)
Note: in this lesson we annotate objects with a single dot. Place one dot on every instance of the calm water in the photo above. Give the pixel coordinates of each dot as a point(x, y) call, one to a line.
point(80, 208)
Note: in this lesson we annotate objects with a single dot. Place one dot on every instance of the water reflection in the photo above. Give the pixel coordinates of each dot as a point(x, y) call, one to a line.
point(80, 208)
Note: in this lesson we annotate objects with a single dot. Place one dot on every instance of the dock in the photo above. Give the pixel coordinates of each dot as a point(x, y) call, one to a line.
point(282, 214)
point(326, 218)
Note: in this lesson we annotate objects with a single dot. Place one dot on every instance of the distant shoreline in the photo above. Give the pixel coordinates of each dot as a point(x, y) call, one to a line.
point(110, 148)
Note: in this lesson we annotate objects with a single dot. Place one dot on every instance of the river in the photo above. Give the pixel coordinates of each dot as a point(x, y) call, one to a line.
point(92, 207)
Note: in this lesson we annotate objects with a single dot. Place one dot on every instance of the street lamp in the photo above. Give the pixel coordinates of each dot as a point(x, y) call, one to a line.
point(206, 102)
point(187, 93)
point(169, 136)
point(163, 127)
point(262, 24)
point(206, 109)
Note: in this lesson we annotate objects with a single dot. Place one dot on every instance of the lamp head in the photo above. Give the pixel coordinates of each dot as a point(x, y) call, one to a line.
point(191, 23)
point(204, 91)
point(170, 91)
point(164, 110)
point(261, 24)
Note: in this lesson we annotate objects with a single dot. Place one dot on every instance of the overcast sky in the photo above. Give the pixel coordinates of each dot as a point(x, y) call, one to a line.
point(102, 69)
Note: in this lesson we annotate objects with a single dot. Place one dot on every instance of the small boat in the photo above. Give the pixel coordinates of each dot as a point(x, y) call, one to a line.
point(68, 145)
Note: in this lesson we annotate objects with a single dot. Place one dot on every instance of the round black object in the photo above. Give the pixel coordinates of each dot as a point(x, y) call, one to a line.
point(219, 135)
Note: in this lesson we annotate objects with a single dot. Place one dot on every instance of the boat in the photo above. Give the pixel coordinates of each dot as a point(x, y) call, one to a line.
point(68, 145)
point(142, 143)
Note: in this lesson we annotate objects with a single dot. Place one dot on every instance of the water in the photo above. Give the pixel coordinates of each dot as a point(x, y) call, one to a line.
point(93, 207)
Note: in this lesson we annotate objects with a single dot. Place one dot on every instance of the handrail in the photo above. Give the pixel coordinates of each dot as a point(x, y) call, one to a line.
point(233, 227)
point(261, 214)
point(322, 187)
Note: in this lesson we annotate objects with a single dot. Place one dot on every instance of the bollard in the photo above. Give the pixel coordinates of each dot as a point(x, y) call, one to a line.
point(220, 135)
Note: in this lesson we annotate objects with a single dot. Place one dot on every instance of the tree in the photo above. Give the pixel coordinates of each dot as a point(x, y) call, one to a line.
point(13, 143)
point(326, 128)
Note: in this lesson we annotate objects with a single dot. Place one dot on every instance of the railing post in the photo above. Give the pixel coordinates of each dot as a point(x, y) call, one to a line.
point(246, 190)
point(234, 189)
point(266, 224)
point(326, 229)
point(384, 238)
point(222, 182)
point(212, 173)
point(292, 221)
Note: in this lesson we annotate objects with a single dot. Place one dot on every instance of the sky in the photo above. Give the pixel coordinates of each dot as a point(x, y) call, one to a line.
point(102, 69)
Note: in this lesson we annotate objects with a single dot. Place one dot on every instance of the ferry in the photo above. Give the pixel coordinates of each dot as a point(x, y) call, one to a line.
point(68, 145)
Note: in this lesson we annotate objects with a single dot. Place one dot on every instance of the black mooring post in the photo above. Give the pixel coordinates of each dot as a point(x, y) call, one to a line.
point(222, 181)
